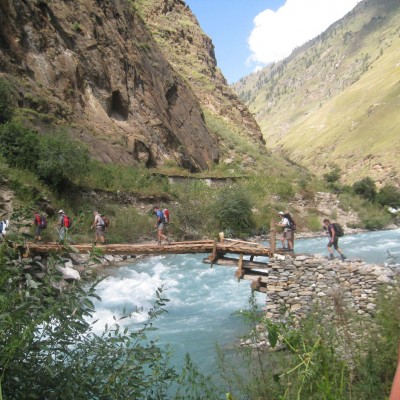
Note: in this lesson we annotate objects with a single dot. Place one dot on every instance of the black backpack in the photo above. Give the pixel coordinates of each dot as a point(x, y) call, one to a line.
point(292, 224)
point(338, 229)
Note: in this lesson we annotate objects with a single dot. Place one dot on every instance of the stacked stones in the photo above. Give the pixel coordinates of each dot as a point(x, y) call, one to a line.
point(296, 284)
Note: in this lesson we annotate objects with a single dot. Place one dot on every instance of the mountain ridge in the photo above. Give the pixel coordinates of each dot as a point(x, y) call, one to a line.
point(331, 97)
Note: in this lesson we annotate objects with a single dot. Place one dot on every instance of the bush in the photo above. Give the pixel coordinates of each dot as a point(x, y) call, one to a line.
point(365, 188)
point(61, 160)
point(233, 212)
point(389, 195)
point(6, 109)
point(47, 331)
point(19, 146)
point(333, 175)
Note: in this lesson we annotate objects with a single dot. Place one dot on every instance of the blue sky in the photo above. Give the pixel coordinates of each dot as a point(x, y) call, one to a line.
point(249, 34)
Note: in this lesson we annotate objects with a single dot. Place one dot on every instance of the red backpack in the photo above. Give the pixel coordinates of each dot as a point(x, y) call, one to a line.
point(67, 222)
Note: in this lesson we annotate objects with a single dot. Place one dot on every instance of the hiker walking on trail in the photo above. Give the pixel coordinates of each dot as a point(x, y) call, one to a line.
point(287, 223)
point(40, 224)
point(334, 231)
point(64, 223)
point(99, 224)
point(160, 224)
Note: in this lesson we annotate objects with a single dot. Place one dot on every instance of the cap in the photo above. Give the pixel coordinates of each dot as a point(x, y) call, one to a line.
point(280, 212)
point(61, 212)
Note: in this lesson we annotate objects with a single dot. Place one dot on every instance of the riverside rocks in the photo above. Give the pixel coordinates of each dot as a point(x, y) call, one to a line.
point(297, 283)
point(71, 268)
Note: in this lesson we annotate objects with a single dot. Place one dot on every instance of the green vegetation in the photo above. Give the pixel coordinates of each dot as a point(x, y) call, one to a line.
point(322, 357)
point(6, 109)
point(52, 332)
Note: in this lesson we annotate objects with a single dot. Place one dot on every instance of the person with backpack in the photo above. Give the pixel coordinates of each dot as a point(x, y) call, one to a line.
point(100, 226)
point(334, 231)
point(160, 224)
point(4, 224)
point(288, 230)
point(64, 223)
point(40, 223)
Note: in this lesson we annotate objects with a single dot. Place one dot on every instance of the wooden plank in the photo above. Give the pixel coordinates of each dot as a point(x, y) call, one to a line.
point(243, 242)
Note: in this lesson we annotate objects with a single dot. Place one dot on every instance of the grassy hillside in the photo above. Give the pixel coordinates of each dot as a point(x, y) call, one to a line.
point(336, 99)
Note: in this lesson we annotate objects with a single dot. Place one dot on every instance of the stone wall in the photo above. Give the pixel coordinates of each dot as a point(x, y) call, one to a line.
point(296, 284)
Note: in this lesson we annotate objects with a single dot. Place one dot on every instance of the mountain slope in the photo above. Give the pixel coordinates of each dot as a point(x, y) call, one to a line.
point(191, 53)
point(336, 99)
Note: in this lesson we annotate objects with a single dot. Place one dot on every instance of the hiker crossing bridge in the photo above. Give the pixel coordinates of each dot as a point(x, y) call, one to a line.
point(218, 250)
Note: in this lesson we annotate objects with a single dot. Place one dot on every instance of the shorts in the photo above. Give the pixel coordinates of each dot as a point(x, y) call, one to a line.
point(38, 230)
point(288, 235)
point(99, 230)
point(160, 226)
point(335, 243)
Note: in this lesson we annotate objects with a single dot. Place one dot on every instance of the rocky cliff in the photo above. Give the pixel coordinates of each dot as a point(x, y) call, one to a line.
point(94, 67)
point(191, 52)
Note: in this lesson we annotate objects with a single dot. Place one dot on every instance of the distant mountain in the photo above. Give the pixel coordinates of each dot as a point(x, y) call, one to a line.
point(337, 98)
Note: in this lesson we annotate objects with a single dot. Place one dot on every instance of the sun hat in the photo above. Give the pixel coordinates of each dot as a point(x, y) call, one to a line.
point(61, 212)
point(280, 212)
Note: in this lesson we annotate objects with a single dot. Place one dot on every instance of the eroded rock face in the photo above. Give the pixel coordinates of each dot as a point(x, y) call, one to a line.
point(94, 64)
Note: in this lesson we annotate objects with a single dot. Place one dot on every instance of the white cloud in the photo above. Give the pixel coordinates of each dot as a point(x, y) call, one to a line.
point(277, 33)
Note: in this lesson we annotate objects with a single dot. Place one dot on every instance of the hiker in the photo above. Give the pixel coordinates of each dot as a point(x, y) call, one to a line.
point(64, 223)
point(98, 223)
point(287, 234)
point(39, 222)
point(160, 223)
point(333, 239)
point(4, 224)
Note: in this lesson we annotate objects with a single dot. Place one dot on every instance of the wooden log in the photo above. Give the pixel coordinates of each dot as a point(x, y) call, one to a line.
point(240, 272)
point(232, 262)
point(272, 236)
point(214, 254)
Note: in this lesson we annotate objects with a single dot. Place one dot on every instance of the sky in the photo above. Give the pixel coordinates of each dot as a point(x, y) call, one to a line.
point(250, 34)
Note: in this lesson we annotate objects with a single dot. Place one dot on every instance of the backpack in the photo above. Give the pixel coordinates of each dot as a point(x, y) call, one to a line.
point(106, 221)
point(292, 224)
point(338, 229)
point(165, 216)
point(66, 222)
point(43, 222)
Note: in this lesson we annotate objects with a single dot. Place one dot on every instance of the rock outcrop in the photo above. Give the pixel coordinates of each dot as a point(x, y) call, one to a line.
point(94, 66)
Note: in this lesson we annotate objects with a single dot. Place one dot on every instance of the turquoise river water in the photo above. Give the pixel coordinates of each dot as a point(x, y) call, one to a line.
point(203, 300)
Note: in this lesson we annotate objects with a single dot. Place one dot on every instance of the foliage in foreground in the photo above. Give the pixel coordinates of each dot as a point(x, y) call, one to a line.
point(346, 357)
point(46, 330)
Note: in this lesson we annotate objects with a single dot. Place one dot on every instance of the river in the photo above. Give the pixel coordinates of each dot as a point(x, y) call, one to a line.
point(203, 300)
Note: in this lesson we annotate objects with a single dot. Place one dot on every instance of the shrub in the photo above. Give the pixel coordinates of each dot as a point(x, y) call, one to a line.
point(48, 331)
point(6, 109)
point(389, 195)
point(233, 211)
point(365, 188)
point(333, 175)
point(19, 145)
point(61, 160)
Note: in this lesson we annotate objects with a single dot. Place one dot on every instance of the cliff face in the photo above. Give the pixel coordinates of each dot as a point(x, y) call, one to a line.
point(93, 66)
point(191, 52)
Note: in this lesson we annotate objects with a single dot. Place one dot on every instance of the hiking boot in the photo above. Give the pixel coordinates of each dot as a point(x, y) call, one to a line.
point(159, 242)
point(331, 256)
point(343, 257)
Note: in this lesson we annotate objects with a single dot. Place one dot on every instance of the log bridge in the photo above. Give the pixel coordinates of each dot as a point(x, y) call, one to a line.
point(248, 269)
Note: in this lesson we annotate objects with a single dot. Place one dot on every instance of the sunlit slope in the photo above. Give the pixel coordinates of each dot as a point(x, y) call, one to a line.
point(358, 129)
point(336, 99)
